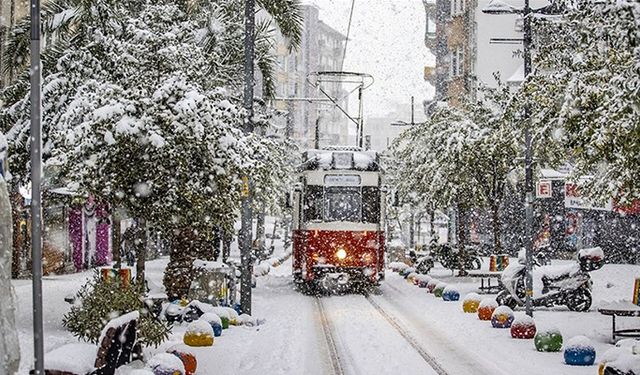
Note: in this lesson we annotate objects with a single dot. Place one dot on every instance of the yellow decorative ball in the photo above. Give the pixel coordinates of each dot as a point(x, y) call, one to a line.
point(471, 303)
point(199, 333)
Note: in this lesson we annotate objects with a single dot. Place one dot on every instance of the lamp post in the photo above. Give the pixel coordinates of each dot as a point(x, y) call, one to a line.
point(498, 7)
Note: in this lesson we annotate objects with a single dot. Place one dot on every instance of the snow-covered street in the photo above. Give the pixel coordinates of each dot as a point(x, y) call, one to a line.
point(424, 331)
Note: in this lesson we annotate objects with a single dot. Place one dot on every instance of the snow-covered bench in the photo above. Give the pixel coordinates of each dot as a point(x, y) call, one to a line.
point(115, 348)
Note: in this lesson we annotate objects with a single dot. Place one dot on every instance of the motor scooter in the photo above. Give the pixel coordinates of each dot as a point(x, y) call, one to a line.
point(568, 285)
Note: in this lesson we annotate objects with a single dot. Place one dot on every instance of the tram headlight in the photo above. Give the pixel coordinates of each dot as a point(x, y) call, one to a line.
point(341, 254)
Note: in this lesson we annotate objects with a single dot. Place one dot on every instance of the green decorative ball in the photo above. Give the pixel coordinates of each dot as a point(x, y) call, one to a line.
point(548, 341)
point(225, 322)
point(439, 290)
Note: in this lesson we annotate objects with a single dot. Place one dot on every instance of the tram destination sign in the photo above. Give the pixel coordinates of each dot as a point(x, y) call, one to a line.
point(342, 180)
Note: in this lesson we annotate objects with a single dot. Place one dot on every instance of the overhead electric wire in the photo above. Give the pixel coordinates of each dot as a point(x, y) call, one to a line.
point(346, 41)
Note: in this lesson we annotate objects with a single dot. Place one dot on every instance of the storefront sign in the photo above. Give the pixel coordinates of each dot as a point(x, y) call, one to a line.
point(573, 199)
point(544, 189)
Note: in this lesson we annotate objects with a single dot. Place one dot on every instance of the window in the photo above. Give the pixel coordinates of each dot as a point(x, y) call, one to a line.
point(370, 204)
point(457, 7)
point(313, 203)
point(457, 62)
point(342, 204)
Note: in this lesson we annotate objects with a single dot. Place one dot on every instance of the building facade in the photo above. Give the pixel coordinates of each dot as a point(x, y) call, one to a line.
point(471, 48)
point(321, 50)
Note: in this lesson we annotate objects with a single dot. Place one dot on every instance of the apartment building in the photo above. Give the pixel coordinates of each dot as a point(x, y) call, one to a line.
point(321, 50)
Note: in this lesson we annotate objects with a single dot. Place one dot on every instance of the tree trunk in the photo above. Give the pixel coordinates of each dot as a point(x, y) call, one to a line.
point(9, 347)
point(227, 238)
point(497, 227)
point(462, 238)
point(17, 240)
point(187, 246)
point(432, 229)
point(217, 240)
point(115, 239)
point(260, 235)
point(141, 250)
point(411, 230)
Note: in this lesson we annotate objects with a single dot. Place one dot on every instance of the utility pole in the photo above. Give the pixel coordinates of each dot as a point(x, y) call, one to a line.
point(526, 12)
point(528, 165)
point(244, 239)
point(36, 194)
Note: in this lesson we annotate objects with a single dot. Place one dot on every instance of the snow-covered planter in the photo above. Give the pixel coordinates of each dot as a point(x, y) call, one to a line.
point(166, 364)
point(398, 266)
point(624, 358)
point(502, 317)
point(450, 293)
point(523, 327)
point(431, 285)
point(548, 340)
point(471, 302)
point(423, 280)
point(223, 313)
point(187, 358)
point(407, 271)
point(199, 333)
point(439, 289)
point(486, 308)
point(579, 351)
point(214, 320)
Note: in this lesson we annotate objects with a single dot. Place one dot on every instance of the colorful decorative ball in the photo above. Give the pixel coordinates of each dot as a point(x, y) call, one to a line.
point(431, 285)
point(579, 352)
point(215, 321)
point(424, 280)
point(471, 302)
point(523, 327)
point(223, 313)
point(407, 271)
point(486, 308)
point(450, 293)
point(411, 277)
point(439, 289)
point(233, 316)
point(549, 340)
point(199, 333)
point(166, 364)
point(502, 317)
point(188, 360)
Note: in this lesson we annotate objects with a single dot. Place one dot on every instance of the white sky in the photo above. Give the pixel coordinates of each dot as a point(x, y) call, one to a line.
point(386, 41)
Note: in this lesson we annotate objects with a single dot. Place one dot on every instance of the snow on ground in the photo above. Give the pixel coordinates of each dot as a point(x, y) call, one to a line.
point(367, 343)
point(291, 340)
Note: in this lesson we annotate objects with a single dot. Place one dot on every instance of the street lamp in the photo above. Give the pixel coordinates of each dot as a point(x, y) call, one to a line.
point(498, 7)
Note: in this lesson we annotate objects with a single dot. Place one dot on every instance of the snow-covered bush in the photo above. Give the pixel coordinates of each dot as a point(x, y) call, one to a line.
point(99, 301)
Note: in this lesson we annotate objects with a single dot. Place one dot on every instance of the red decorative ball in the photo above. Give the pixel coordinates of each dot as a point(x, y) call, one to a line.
point(523, 327)
point(188, 360)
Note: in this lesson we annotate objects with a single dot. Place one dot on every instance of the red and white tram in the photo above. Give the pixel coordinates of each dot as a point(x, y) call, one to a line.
point(338, 218)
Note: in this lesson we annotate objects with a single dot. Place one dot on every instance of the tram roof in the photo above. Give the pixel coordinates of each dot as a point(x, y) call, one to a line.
point(340, 159)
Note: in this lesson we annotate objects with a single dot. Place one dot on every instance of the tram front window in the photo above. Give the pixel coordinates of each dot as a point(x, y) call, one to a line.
point(342, 204)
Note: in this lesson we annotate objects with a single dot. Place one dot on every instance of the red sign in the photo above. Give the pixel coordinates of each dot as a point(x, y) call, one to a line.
point(544, 189)
point(633, 208)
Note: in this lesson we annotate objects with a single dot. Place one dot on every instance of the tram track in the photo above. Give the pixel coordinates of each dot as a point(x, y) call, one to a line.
point(338, 357)
point(327, 329)
point(431, 361)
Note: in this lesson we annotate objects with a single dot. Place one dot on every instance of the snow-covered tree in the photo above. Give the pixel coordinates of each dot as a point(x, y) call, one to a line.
point(146, 115)
point(437, 159)
point(588, 82)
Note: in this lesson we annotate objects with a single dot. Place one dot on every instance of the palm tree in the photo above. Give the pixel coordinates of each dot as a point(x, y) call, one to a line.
point(70, 22)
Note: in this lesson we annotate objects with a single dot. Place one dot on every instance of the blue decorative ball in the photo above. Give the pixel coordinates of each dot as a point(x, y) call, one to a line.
point(217, 329)
point(450, 295)
point(579, 352)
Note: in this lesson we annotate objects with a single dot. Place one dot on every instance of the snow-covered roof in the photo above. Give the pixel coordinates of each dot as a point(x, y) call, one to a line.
point(341, 159)
point(552, 174)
